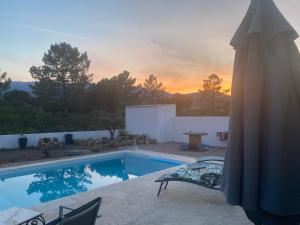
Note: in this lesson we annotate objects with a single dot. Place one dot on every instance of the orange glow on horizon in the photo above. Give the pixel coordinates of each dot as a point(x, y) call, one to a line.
point(188, 90)
point(189, 83)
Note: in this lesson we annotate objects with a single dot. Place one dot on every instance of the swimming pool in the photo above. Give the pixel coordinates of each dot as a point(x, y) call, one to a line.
point(31, 185)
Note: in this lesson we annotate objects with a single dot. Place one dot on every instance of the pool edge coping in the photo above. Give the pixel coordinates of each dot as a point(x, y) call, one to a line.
point(83, 157)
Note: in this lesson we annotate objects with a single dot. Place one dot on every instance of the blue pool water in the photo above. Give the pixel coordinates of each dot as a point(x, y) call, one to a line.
point(39, 184)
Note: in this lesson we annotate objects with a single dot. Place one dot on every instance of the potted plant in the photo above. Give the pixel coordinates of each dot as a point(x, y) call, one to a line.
point(69, 139)
point(23, 141)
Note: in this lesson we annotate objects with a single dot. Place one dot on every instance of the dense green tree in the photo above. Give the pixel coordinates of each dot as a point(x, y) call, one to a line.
point(4, 83)
point(107, 100)
point(26, 119)
point(124, 85)
point(17, 98)
point(110, 122)
point(48, 95)
point(111, 95)
point(154, 90)
point(212, 84)
point(64, 73)
point(213, 93)
point(79, 122)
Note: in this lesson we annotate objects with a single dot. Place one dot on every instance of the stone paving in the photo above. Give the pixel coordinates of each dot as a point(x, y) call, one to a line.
point(134, 202)
point(174, 148)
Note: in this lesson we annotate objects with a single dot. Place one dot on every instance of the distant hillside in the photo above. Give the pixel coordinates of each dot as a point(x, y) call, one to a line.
point(196, 104)
point(21, 86)
point(192, 104)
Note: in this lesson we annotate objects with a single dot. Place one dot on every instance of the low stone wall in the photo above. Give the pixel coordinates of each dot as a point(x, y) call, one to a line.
point(11, 141)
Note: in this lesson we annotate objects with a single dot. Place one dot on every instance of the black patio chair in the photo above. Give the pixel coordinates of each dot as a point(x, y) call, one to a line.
point(84, 215)
point(206, 172)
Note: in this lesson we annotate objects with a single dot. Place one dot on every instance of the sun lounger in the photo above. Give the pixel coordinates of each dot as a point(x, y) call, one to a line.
point(206, 172)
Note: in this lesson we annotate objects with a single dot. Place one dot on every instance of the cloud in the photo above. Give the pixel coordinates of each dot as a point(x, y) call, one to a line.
point(176, 52)
point(57, 33)
point(200, 54)
point(49, 31)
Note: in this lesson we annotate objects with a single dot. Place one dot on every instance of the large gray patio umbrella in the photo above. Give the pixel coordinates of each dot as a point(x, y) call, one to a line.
point(262, 167)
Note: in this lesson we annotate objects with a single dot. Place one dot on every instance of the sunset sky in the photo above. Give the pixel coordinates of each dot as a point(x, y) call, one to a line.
point(180, 41)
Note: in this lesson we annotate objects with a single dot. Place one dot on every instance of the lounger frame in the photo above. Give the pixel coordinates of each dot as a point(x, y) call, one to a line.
point(200, 164)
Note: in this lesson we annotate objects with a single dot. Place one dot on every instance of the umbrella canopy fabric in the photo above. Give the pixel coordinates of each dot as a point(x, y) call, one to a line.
point(262, 166)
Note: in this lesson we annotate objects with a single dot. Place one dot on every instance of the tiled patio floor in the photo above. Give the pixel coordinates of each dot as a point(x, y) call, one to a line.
point(134, 202)
point(174, 148)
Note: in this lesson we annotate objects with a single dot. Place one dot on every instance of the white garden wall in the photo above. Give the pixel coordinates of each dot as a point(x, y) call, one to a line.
point(167, 114)
point(153, 120)
point(161, 123)
point(11, 141)
point(208, 124)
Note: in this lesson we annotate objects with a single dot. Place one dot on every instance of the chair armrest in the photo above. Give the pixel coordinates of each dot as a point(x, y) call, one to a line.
point(61, 210)
point(210, 158)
